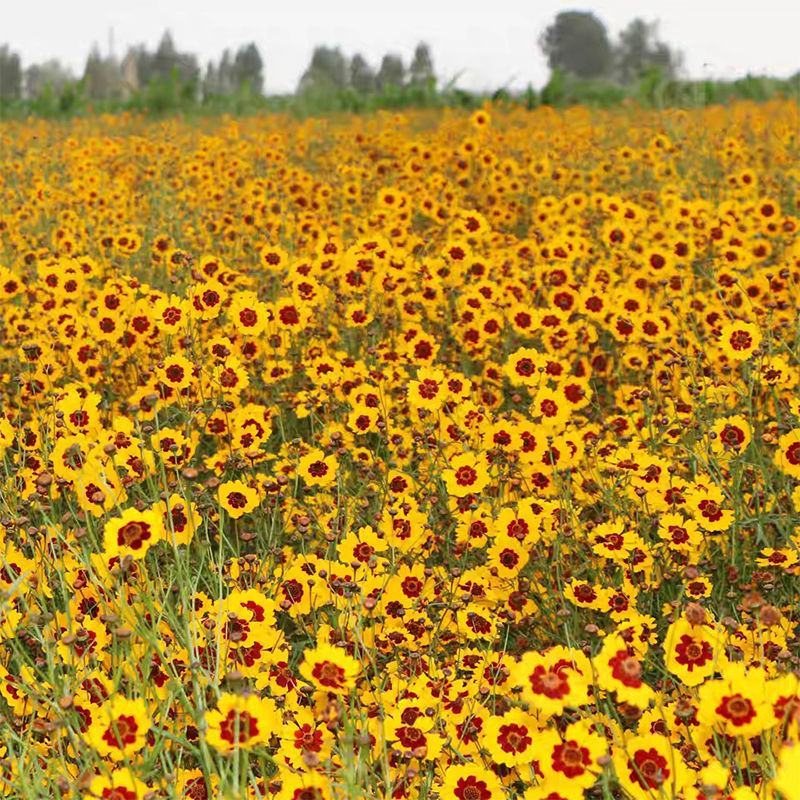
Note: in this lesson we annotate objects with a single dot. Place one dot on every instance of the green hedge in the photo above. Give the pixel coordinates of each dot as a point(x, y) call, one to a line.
point(172, 97)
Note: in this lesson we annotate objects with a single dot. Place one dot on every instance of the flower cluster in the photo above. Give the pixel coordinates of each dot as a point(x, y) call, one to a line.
point(402, 456)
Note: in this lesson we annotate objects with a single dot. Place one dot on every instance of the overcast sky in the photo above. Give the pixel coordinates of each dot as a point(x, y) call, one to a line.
point(490, 43)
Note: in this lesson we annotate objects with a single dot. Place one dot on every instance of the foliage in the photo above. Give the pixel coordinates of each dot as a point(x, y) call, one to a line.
point(100, 77)
point(167, 64)
point(577, 42)
point(392, 72)
point(638, 50)
point(10, 74)
point(234, 73)
point(248, 68)
point(421, 71)
point(362, 76)
point(327, 72)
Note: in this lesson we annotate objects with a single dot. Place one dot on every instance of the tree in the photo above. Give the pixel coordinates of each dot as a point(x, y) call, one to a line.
point(165, 59)
point(166, 64)
point(391, 73)
point(248, 68)
point(225, 79)
point(639, 49)
point(362, 76)
point(420, 73)
point(50, 75)
point(101, 76)
point(211, 80)
point(577, 42)
point(327, 72)
point(10, 74)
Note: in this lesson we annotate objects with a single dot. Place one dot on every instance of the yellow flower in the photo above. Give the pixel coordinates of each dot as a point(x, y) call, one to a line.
point(787, 457)
point(649, 766)
point(180, 519)
point(306, 785)
point(570, 761)
point(237, 498)
point(176, 372)
point(551, 408)
point(512, 740)
point(706, 503)
point(248, 314)
point(359, 547)
point(787, 776)
point(330, 669)
point(732, 435)
point(133, 533)
point(241, 722)
point(118, 728)
point(480, 119)
point(693, 652)
point(317, 469)
point(429, 390)
point(507, 556)
point(739, 340)
point(121, 784)
point(737, 704)
point(98, 487)
point(468, 474)
point(620, 670)
point(553, 680)
point(467, 781)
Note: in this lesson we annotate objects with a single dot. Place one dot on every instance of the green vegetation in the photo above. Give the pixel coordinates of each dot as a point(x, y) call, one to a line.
point(165, 97)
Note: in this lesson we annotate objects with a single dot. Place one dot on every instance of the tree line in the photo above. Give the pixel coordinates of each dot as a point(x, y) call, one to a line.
point(107, 78)
point(586, 63)
point(577, 43)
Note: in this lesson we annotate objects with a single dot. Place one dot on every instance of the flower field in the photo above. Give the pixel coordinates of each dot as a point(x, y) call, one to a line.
point(401, 456)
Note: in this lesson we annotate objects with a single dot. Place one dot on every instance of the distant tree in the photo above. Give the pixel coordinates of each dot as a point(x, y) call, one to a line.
point(577, 42)
point(420, 73)
point(165, 59)
point(10, 74)
point(167, 62)
point(328, 71)
point(248, 68)
point(50, 75)
point(362, 76)
point(102, 79)
point(391, 73)
point(211, 80)
point(639, 49)
point(225, 75)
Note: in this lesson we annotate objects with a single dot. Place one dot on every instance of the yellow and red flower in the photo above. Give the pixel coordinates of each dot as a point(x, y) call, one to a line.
point(467, 474)
point(237, 498)
point(512, 739)
point(133, 533)
point(241, 722)
point(119, 728)
point(329, 669)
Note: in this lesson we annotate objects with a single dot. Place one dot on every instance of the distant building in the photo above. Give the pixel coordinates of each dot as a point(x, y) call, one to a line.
point(129, 70)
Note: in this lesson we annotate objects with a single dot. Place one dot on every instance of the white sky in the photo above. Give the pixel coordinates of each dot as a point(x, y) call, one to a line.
point(489, 42)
